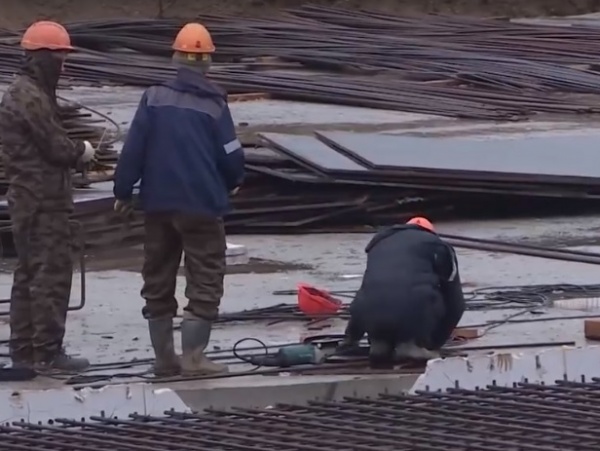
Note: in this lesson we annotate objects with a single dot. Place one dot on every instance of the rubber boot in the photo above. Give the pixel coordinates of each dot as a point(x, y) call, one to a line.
point(410, 350)
point(195, 334)
point(161, 336)
point(347, 347)
point(22, 364)
point(381, 355)
point(63, 362)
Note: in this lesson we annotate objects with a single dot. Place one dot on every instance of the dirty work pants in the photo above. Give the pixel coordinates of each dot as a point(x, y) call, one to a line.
point(392, 321)
point(202, 242)
point(41, 285)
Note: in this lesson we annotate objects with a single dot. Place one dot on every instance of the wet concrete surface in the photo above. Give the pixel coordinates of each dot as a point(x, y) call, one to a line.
point(110, 327)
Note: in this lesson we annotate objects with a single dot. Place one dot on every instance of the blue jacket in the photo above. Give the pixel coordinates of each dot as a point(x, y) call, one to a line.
point(183, 147)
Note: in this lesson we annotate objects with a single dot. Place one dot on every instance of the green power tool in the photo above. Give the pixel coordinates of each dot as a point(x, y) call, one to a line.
point(291, 355)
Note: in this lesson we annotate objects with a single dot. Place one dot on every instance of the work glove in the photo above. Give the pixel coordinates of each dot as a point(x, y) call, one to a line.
point(89, 153)
point(123, 208)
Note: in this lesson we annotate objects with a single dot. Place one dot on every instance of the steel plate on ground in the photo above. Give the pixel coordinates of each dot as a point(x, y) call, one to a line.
point(308, 150)
point(564, 157)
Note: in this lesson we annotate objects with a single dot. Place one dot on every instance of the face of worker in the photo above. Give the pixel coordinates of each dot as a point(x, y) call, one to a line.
point(62, 57)
point(45, 66)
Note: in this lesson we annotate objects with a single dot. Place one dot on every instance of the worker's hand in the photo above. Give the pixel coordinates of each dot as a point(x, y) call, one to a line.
point(123, 208)
point(234, 191)
point(89, 153)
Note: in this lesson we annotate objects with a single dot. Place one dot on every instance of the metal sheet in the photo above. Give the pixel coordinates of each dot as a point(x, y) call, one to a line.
point(309, 150)
point(574, 157)
point(294, 176)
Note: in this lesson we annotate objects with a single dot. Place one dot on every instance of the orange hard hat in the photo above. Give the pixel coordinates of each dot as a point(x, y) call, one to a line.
point(422, 222)
point(315, 302)
point(194, 38)
point(46, 35)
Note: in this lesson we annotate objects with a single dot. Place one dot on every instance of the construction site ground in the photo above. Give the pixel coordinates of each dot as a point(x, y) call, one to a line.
point(111, 329)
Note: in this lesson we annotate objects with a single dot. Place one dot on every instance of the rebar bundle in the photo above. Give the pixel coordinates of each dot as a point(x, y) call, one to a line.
point(450, 66)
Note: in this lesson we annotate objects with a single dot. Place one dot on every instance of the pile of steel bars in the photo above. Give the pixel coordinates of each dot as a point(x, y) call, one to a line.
point(299, 184)
point(526, 416)
point(454, 66)
point(292, 188)
point(451, 66)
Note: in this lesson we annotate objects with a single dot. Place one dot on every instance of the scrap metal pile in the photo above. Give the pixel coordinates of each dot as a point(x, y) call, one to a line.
point(474, 68)
point(339, 180)
point(523, 417)
point(451, 66)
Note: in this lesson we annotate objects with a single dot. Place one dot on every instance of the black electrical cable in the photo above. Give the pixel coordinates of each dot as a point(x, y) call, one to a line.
point(252, 358)
point(526, 299)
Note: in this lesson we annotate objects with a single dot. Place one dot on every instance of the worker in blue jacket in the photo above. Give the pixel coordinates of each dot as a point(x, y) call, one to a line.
point(183, 148)
point(411, 298)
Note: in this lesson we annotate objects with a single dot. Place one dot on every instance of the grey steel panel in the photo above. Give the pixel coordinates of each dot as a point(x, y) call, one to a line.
point(564, 156)
point(313, 152)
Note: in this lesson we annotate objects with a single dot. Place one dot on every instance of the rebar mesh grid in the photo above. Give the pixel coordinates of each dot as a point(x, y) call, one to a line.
point(526, 416)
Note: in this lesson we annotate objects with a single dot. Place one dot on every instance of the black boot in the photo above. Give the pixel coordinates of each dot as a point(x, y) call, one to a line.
point(63, 362)
point(161, 336)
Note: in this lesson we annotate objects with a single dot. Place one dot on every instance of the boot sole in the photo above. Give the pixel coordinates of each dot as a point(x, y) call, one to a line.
point(166, 373)
point(203, 373)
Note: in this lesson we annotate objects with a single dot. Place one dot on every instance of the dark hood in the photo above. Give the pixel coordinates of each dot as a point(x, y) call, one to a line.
point(194, 81)
point(44, 68)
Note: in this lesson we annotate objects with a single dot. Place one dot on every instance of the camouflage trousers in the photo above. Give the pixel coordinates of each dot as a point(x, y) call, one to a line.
point(41, 286)
point(202, 242)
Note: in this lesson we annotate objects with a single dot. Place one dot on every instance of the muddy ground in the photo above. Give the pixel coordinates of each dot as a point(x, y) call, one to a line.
point(16, 13)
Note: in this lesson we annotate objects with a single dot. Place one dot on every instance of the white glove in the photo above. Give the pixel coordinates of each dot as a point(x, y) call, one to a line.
point(89, 153)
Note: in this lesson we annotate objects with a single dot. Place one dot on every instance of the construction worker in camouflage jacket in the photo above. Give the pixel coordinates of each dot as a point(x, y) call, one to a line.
point(38, 157)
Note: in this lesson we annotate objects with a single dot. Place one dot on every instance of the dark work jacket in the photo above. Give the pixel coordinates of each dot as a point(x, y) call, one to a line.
point(408, 268)
point(183, 147)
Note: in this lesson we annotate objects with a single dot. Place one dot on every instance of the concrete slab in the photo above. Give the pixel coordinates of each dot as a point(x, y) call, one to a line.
point(264, 391)
point(505, 368)
point(43, 405)
point(34, 404)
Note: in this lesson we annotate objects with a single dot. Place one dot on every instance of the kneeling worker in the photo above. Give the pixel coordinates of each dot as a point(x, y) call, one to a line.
point(411, 298)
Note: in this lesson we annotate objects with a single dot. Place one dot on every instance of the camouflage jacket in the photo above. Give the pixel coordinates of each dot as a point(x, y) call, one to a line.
point(37, 153)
